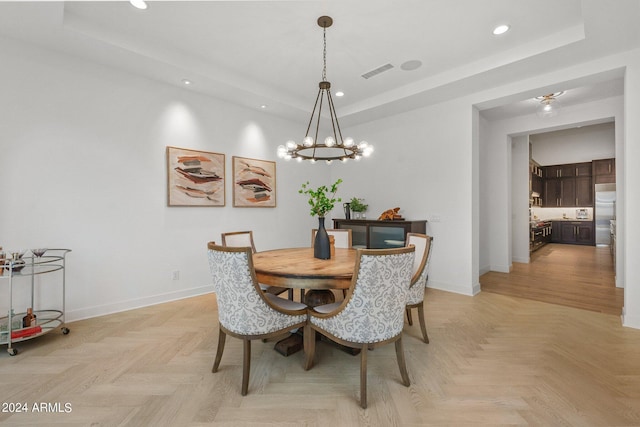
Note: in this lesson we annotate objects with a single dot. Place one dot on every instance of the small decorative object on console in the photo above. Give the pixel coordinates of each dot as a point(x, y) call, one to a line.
point(390, 215)
point(358, 207)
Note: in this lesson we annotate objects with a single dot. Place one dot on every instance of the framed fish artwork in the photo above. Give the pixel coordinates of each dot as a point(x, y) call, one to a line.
point(195, 178)
point(254, 183)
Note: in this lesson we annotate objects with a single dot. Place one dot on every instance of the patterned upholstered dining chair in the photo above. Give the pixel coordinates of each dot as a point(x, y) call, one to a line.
point(244, 311)
point(372, 314)
point(238, 239)
point(424, 246)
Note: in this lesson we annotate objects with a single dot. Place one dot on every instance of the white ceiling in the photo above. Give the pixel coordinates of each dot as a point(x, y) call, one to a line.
point(270, 52)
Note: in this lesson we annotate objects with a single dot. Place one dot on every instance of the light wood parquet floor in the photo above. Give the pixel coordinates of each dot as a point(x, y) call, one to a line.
point(572, 275)
point(493, 360)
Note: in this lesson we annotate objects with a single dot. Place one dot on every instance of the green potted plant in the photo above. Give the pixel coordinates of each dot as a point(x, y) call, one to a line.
point(358, 207)
point(322, 200)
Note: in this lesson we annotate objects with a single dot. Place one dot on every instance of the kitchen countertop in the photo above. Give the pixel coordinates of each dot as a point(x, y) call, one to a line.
point(570, 219)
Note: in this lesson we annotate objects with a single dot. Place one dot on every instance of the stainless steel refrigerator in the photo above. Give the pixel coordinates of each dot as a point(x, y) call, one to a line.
point(604, 212)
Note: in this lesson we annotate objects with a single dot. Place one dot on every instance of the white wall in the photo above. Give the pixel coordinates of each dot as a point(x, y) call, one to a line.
point(629, 204)
point(520, 199)
point(484, 193)
point(83, 166)
point(574, 145)
point(423, 164)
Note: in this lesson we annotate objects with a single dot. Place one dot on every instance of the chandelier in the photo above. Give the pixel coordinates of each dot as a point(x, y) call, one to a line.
point(549, 105)
point(333, 147)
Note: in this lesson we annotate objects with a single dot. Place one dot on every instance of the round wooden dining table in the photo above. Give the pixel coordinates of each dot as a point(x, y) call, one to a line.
point(297, 268)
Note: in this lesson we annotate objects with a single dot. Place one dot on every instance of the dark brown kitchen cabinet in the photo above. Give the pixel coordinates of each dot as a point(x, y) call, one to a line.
point(573, 232)
point(569, 170)
point(551, 172)
point(559, 171)
point(552, 193)
point(569, 185)
point(584, 191)
point(536, 188)
point(568, 194)
point(604, 171)
point(556, 231)
point(583, 169)
point(562, 192)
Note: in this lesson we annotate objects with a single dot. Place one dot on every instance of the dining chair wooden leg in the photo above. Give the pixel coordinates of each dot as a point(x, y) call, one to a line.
point(423, 324)
point(409, 317)
point(401, 362)
point(246, 365)
point(309, 342)
point(221, 340)
point(363, 376)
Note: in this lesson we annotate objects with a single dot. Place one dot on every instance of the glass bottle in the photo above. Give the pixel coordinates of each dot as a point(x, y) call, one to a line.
point(30, 319)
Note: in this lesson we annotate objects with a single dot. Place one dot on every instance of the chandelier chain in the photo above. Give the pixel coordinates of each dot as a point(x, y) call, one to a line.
point(324, 55)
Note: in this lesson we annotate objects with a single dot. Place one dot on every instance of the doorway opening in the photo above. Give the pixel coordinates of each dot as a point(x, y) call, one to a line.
point(554, 253)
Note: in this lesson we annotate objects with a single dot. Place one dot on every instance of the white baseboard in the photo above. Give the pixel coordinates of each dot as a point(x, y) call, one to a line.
point(501, 268)
point(630, 321)
point(102, 310)
point(457, 289)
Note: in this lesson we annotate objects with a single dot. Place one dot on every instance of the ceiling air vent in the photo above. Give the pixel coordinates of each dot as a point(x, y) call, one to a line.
point(377, 71)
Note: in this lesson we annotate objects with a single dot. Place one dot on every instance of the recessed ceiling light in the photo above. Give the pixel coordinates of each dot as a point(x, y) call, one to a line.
point(264, 106)
point(140, 4)
point(411, 65)
point(500, 29)
point(186, 82)
point(339, 93)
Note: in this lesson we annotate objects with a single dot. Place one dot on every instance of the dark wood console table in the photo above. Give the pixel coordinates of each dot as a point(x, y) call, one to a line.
point(374, 234)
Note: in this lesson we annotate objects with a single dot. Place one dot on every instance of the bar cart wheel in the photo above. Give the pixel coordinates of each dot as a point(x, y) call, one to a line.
point(12, 351)
point(65, 331)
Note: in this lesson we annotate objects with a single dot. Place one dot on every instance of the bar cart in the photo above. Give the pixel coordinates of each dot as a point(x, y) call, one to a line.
point(17, 272)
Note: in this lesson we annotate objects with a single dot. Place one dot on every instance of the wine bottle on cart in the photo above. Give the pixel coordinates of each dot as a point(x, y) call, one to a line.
point(30, 319)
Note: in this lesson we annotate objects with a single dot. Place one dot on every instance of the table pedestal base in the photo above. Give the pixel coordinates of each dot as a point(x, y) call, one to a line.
point(289, 345)
point(316, 297)
point(294, 342)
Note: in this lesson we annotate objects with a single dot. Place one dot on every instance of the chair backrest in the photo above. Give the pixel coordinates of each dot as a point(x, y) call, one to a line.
point(423, 244)
point(342, 236)
point(374, 307)
point(242, 308)
point(239, 239)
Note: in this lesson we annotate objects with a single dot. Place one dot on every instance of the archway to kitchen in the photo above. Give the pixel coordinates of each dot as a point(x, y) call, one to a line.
point(559, 273)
